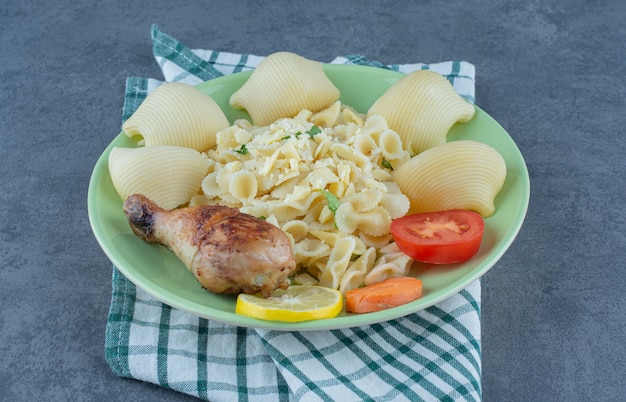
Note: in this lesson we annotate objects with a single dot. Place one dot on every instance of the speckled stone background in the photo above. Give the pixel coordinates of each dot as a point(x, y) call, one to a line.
point(551, 72)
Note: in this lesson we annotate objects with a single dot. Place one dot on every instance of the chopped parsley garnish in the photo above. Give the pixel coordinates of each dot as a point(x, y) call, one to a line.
point(242, 149)
point(386, 164)
point(332, 200)
point(314, 130)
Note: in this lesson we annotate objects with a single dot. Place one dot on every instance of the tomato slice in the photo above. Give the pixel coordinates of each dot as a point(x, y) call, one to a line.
point(442, 237)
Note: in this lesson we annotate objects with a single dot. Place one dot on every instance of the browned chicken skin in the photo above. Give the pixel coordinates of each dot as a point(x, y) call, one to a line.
point(227, 251)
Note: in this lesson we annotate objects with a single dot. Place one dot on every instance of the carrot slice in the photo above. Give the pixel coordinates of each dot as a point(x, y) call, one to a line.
point(391, 292)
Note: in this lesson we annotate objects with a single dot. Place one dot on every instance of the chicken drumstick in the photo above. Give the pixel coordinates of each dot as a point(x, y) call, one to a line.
point(226, 250)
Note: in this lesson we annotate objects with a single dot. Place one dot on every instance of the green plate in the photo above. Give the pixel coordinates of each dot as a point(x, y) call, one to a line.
point(156, 270)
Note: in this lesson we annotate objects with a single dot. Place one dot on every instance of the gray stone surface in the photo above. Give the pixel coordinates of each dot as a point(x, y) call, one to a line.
point(551, 72)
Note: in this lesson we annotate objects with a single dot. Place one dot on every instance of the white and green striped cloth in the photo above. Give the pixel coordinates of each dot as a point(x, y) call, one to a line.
point(432, 355)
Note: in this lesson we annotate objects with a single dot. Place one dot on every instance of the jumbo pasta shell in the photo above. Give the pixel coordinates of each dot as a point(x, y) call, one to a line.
point(462, 174)
point(168, 175)
point(282, 85)
point(422, 107)
point(177, 114)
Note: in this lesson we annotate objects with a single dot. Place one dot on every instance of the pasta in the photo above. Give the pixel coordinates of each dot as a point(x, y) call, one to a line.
point(392, 262)
point(394, 201)
point(281, 86)
point(170, 176)
point(243, 186)
point(330, 177)
point(297, 229)
point(462, 174)
point(355, 275)
point(337, 263)
point(374, 222)
point(179, 115)
point(327, 187)
point(422, 107)
point(327, 117)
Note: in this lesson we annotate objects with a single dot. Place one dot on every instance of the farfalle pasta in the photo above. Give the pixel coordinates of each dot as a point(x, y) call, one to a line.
point(354, 276)
point(392, 262)
point(297, 229)
point(328, 187)
point(327, 117)
point(374, 222)
point(337, 263)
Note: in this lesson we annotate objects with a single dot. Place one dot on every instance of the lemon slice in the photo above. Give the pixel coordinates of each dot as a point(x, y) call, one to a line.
point(296, 303)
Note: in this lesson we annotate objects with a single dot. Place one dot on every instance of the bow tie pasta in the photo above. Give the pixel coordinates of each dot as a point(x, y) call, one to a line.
point(328, 187)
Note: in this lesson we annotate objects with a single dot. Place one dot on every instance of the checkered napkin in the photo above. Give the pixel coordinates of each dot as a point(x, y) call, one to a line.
point(434, 354)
